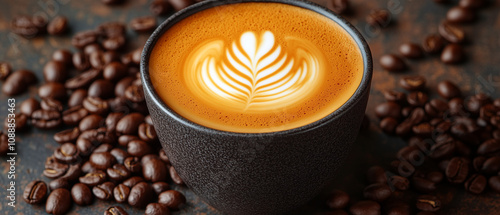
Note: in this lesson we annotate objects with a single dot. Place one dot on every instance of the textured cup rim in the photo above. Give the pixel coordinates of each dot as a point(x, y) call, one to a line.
point(186, 12)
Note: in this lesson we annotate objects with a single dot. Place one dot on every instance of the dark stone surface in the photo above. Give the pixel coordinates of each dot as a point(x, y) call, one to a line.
point(413, 21)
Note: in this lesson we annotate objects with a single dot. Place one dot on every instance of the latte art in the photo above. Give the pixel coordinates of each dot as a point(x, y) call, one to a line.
point(254, 73)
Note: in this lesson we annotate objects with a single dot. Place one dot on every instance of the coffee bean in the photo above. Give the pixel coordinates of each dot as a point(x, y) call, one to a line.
point(54, 169)
point(147, 133)
point(160, 7)
point(5, 71)
point(122, 85)
point(133, 164)
point(476, 184)
point(494, 183)
point(27, 26)
point(175, 176)
point(97, 60)
point(74, 171)
point(115, 210)
point(81, 194)
point(140, 195)
point(80, 62)
point(367, 207)
point(376, 174)
point(149, 157)
point(118, 173)
point(52, 90)
point(50, 104)
point(18, 82)
point(114, 71)
point(119, 154)
point(448, 90)
point(138, 148)
point(123, 140)
point(412, 83)
point(451, 33)
point(20, 122)
point(104, 191)
point(87, 167)
point(28, 106)
point(59, 183)
point(64, 56)
point(156, 209)
point(423, 185)
point(460, 15)
point(457, 170)
point(392, 62)
point(172, 199)
point(103, 148)
point(417, 99)
point(399, 182)
point(423, 129)
point(134, 94)
point(338, 200)
point(435, 176)
point(130, 123)
point(46, 119)
point(491, 165)
point(113, 44)
point(58, 25)
point(154, 170)
point(102, 160)
point(83, 38)
point(428, 203)
point(91, 48)
point(444, 148)
point(163, 157)
point(77, 97)
point(132, 181)
point(471, 4)
point(388, 109)
point(58, 202)
point(452, 54)
point(143, 24)
point(338, 6)
point(93, 178)
point(436, 108)
point(121, 193)
point(67, 153)
point(54, 71)
point(489, 148)
point(74, 115)
point(35, 192)
point(90, 122)
point(112, 120)
point(379, 18)
point(101, 88)
point(411, 50)
point(180, 4)
point(96, 105)
point(160, 187)
point(377, 192)
point(433, 44)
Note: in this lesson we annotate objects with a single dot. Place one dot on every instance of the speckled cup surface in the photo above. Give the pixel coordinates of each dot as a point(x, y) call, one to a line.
point(266, 173)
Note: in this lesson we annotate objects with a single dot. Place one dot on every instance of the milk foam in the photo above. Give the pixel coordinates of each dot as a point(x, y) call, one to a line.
point(254, 73)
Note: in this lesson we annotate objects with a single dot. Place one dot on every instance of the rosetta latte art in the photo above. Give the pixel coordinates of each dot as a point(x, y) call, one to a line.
point(255, 73)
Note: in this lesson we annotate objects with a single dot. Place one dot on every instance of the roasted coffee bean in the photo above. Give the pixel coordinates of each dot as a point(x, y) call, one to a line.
point(115, 210)
point(452, 54)
point(35, 192)
point(113, 44)
point(156, 209)
point(180, 4)
point(451, 33)
point(74, 115)
point(73, 173)
point(391, 96)
point(96, 105)
point(423, 129)
point(175, 176)
point(20, 122)
point(379, 18)
point(412, 153)
point(147, 133)
point(119, 154)
point(54, 71)
point(59, 183)
point(102, 160)
point(411, 50)
point(101, 88)
point(149, 157)
point(119, 104)
point(132, 181)
point(448, 90)
point(491, 166)
point(18, 82)
point(460, 15)
point(399, 182)
point(5, 71)
point(435, 176)
point(163, 156)
point(81, 194)
point(417, 99)
point(91, 48)
point(29, 106)
point(112, 120)
point(376, 174)
point(121, 193)
point(433, 44)
point(476, 184)
point(445, 147)
point(134, 93)
point(122, 85)
point(338, 199)
point(487, 111)
point(87, 167)
point(338, 6)
point(80, 62)
point(77, 97)
point(58, 25)
point(118, 173)
point(133, 164)
point(58, 202)
point(396, 207)
point(104, 191)
point(91, 122)
point(138, 148)
point(477, 163)
point(172, 199)
point(46, 119)
point(457, 170)
point(136, 56)
point(129, 124)
point(456, 106)
point(52, 90)
point(423, 185)
point(89, 139)
point(388, 109)
point(160, 187)
point(154, 170)
point(413, 83)
point(27, 26)
point(51, 104)
point(367, 207)
point(494, 183)
point(377, 192)
point(140, 195)
point(84, 38)
point(143, 24)
point(93, 178)
point(97, 60)
point(114, 71)
point(64, 56)
point(67, 153)
point(428, 203)
point(436, 108)
point(103, 148)
point(123, 140)
point(112, 29)
point(471, 4)
point(54, 169)
point(160, 7)
point(489, 148)
point(392, 62)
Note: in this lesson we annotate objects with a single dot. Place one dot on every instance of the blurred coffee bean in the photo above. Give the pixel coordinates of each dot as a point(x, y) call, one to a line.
point(411, 50)
point(121, 193)
point(180, 4)
point(379, 18)
point(399, 182)
point(417, 99)
point(147, 133)
point(491, 166)
point(452, 54)
point(132, 181)
point(67, 153)
point(133, 164)
point(74, 115)
point(28, 26)
point(129, 124)
point(118, 173)
point(160, 7)
point(101, 88)
point(423, 185)
point(51, 104)
point(433, 44)
point(366, 207)
point(93, 178)
point(5, 70)
point(451, 33)
point(102, 160)
point(460, 15)
point(76, 98)
point(376, 174)
point(413, 83)
point(141, 195)
point(81, 194)
point(476, 184)
point(28, 106)
point(156, 209)
point(18, 82)
point(119, 154)
point(115, 210)
point(388, 109)
point(338, 6)
point(83, 38)
point(58, 202)
point(494, 183)
point(90, 122)
point(58, 25)
point(54, 71)
point(392, 63)
point(46, 119)
point(388, 124)
point(175, 176)
point(160, 187)
point(143, 24)
point(435, 176)
point(489, 148)
point(457, 170)
point(104, 191)
point(80, 61)
point(428, 203)
point(59, 183)
point(35, 192)
point(52, 90)
point(377, 192)
point(154, 170)
point(172, 199)
point(448, 90)
point(96, 105)
point(471, 4)
point(64, 56)
point(134, 94)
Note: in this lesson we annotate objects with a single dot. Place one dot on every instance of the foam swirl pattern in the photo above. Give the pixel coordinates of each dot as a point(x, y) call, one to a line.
point(255, 73)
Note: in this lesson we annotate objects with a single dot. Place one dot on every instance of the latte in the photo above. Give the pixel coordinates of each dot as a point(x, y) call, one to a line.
point(255, 67)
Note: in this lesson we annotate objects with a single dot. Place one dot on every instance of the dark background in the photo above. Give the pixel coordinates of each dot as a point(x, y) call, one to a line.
point(413, 20)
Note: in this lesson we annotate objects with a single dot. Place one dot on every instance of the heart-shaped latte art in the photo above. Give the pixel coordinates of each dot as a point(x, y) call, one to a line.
point(254, 73)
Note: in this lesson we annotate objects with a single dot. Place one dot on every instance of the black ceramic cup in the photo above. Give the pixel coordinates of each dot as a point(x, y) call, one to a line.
point(258, 173)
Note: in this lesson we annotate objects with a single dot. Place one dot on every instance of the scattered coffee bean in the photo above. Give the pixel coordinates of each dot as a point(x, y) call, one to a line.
point(411, 50)
point(18, 82)
point(46, 119)
point(367, 207)
point(460, 15)
point(141, 195)
point(81, 194)
point(494, 183)
point(58, 202)
point(413, 83)
point(160, 7)
point(104, 191)
point(35, 192)
point(338, 6)
point(93, 178)
point(428, 203)
point(64, 56)
point(377, 192)
point(434, 44)
point(80, 62)
point(379, 18)
point(121, 193)
point(476, 184)
point(115, 210)
point(154, 170)
point(471, 4)
point(132, 181)
point(457, 170)
point(5, 71)
point(156, 209)
point(172, 199)
point(392, 63)
point(451, 33)
point(58, 25)
point(143, 24)
point(160, 187)
point(452, 54)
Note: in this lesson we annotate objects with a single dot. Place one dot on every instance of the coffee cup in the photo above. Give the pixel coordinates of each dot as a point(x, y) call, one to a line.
point(240, 146)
